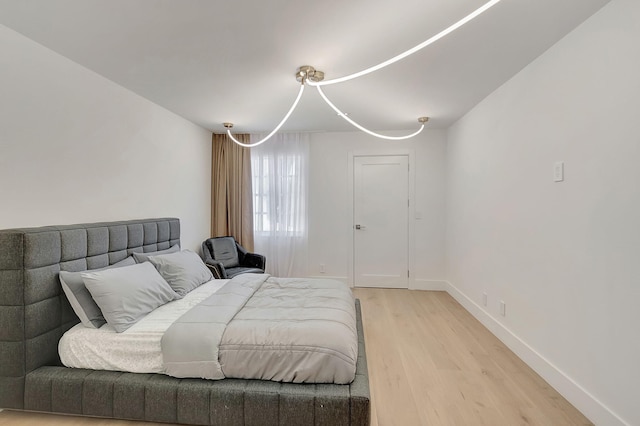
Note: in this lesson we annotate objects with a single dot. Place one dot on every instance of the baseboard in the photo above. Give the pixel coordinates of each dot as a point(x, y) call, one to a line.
point(330, 277)
point(588, 405)
point(428, 285)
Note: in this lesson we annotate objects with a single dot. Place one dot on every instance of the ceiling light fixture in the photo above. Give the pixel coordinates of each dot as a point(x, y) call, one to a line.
point(307, 74)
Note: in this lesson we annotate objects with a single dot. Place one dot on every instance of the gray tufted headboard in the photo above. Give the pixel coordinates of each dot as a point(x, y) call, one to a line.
point(34, 312)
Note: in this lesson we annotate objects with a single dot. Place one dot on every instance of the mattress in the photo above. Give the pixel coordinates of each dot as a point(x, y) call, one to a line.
point(136, 350)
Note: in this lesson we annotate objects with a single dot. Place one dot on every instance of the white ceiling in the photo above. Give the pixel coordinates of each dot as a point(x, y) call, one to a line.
point(212, 61)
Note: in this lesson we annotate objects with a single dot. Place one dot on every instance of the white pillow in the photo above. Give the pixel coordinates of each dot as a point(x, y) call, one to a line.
point(184, 270)
point(127, 294)
point(79, 297)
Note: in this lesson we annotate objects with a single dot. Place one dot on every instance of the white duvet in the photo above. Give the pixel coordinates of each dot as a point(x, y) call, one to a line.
point(136, 350)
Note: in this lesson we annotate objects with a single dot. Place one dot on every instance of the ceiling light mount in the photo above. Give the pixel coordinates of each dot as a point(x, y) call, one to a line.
point(306, 73)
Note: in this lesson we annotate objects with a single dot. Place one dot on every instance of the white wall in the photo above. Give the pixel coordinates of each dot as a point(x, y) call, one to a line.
point(76, 147)
point(330, 229)
point(565, 257)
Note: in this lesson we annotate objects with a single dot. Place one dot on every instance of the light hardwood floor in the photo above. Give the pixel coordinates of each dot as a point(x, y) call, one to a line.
point(430, 363)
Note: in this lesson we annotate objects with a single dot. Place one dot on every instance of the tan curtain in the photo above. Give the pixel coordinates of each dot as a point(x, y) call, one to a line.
point(231, 192)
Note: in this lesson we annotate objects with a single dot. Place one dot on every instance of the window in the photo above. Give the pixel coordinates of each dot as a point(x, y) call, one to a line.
point(279, 191)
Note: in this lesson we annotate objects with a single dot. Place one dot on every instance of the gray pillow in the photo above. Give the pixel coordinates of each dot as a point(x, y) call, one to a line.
point(143, 257)
point(80, 299)
point(184, 270)
point(127, 294)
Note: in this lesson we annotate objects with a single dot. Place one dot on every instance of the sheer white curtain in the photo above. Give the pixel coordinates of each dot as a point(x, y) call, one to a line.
point(279, 170)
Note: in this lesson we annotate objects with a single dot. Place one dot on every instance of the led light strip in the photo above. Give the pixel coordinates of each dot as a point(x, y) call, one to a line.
point(421, 120)
point(308, 75)
point(411, 51)
point(229, 126)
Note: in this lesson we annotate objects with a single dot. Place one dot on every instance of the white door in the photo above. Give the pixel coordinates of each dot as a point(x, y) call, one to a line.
point(381, 221)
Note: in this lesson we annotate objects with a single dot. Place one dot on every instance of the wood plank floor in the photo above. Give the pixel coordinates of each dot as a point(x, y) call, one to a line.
point(430, 363)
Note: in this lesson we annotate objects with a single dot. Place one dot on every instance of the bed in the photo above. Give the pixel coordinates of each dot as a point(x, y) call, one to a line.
point(35, 313)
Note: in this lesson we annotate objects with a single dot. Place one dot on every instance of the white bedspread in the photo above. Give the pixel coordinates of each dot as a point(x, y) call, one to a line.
point(137, 349)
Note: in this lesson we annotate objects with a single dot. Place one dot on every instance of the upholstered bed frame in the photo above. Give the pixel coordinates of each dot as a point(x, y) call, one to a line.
point(34, 313)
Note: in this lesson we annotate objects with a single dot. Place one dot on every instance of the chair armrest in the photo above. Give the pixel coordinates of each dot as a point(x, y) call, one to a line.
point(217, 269)
point(255, 260)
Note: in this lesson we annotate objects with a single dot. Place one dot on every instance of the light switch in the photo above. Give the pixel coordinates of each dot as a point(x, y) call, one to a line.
point(558, 171)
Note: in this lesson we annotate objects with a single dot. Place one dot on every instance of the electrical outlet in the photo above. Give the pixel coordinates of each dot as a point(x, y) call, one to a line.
point(322, 268)
point(484, 298)
point(503, 308)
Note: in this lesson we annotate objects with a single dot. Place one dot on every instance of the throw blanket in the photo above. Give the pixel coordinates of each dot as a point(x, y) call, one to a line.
point(267, 328)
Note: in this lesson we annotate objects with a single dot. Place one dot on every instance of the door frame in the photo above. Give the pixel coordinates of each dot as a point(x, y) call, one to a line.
point(383, 152)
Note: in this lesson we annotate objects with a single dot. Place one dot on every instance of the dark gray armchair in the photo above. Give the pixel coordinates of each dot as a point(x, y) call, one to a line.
point(226, 258)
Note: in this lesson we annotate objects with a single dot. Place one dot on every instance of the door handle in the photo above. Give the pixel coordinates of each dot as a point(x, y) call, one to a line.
point(360, 227)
